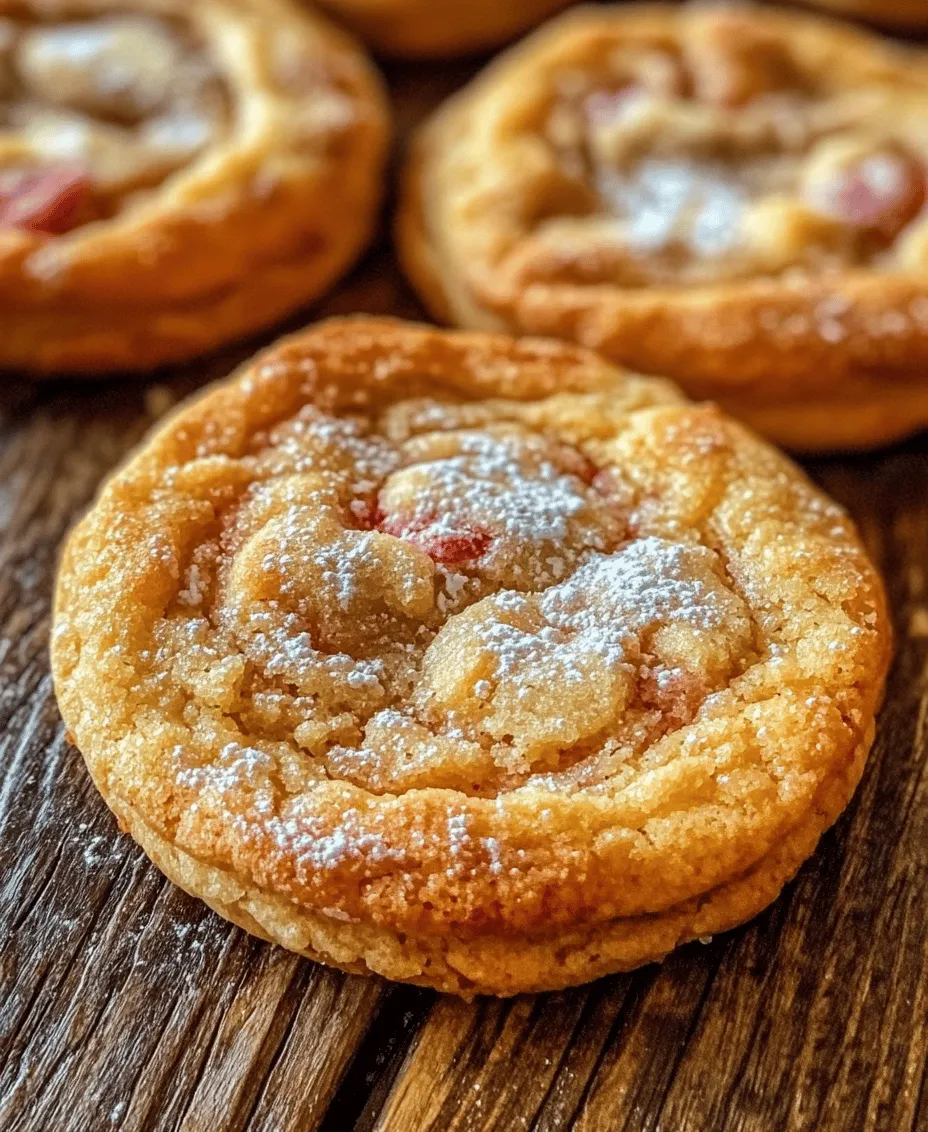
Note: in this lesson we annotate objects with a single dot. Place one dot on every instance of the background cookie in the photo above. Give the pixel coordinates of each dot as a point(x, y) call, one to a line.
point(899, 13)
point(432, 28)
point(174, 175)
point(735, 199)
point(472, 662)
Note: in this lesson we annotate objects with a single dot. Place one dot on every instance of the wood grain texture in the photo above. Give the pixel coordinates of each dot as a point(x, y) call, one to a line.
point(126, 1005)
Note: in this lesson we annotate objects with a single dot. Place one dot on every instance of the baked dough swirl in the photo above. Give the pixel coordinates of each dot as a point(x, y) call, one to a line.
point(734, 199)
point(474, 662)
point(174, 175)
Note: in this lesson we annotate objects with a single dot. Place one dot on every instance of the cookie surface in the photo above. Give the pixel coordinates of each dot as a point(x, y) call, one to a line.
point(435, 28)
point(473, 662)
point(174, 175)
point(733, 199)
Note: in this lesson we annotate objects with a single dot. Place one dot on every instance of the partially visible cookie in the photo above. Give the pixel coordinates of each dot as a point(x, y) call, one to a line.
point(892, 13)
point(440, 28)
point(174, 175)
point(473, 662)
point(733, 198)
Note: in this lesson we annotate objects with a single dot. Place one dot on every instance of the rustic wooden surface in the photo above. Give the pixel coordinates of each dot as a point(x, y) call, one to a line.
point(127, 1005)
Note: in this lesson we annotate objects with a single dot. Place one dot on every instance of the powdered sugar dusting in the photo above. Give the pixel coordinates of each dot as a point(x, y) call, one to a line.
point(488, 479)
point(344, 626)
point(501, 500)
point(663, 202)
point(695, 186)
point(649, 581)
point(541, 672)
point(607, 603)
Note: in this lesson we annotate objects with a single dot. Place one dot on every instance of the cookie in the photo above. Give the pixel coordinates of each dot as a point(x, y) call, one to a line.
point(439, 28)
point(733, 199)
point(474, 662)
point(174, 175)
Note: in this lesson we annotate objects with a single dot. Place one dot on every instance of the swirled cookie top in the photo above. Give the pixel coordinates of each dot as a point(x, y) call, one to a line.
point(649, 145)
point(401, 616)
point(98, 110)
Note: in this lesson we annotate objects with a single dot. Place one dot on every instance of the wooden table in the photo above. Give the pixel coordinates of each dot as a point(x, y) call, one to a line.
point(127, 1005)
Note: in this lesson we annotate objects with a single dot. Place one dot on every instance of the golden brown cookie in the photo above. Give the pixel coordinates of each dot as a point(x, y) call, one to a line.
point(174, 175)
point(437, 28)
point(474, 662)
point(734, 199)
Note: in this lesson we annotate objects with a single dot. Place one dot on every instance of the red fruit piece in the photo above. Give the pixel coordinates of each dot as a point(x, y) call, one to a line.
point(46, 200)
point(464, 542)
point(882, 192)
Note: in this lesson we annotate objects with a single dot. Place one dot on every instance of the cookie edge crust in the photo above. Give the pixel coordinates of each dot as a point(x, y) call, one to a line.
point(498, 965)
point(683, 333)
point(179, 333)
